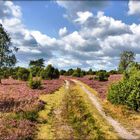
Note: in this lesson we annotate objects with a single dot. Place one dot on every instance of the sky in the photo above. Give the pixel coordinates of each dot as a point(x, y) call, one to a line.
point(71, 34)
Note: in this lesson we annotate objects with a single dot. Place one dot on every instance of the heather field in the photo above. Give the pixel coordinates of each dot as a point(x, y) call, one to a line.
point(19, 106)
point(69, 70)
point(100, 86)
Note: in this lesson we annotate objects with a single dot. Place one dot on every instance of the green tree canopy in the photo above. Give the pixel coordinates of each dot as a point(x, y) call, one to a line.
point(7, 56)
point(126, 58)
point(37, 63)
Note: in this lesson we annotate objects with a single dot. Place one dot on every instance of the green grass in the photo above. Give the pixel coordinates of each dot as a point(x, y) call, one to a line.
point(80, 117)
point(107, 129)
point(46, 116)
point(119, 112)
point(68, 114)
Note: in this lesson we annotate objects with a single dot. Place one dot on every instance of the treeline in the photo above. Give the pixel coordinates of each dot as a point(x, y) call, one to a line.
point(47, 73)
point(21, 73)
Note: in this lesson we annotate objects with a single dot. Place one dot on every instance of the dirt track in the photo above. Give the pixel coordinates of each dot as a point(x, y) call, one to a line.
point(122, 132)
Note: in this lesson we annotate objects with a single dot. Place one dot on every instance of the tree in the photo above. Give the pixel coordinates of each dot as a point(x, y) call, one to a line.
point(37, 63)
point(78, 73)
point(90, 72)
point(23, 74)
point(69, 72)
point(126, 58)
point(102, 75)
point(7, 56)
point(62, 72)
point(36, 66)
point(50, 73)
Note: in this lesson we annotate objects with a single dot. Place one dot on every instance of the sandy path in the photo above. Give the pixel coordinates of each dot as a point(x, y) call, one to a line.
point(122, 132)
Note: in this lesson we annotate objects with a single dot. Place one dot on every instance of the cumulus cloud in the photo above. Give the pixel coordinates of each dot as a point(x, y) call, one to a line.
point(97, 43)
point(84, 5)
point(29, 46)
point(134, 7)
point(8, 9)
point(63, 31)
point(83, 16)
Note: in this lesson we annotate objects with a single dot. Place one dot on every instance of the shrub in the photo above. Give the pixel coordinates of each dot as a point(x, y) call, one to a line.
point(28, 115)
point(127, 91)
point(14, 73)
point(23, 74)
point(78, 73)
point(113, 72)
point(50, 73)
point(34, 83)
point(35, 71)
point(102, 75)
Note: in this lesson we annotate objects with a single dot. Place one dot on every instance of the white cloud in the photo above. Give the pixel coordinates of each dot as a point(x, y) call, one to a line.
point(8, 9)
point(74, 6)
point(43, 39)
point(134, 7)
point(97, 43)
point(63, 31)
point(83, 16)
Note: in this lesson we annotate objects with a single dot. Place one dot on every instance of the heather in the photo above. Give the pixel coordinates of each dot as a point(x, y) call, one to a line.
point(100, 86)
point(19, 106)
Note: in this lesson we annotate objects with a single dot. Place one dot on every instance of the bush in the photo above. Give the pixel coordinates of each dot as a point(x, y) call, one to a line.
point(78, 73)
point(102, 75)
point(34, 83)
point(50, 73)
point(23, 74)
point(113, 72)
point(35, 71)
point(127, 91)
point(28, 115)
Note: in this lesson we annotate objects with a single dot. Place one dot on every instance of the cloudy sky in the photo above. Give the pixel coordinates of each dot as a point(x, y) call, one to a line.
point(86, 34)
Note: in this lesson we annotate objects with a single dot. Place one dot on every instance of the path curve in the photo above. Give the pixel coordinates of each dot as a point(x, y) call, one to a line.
point(122, 132)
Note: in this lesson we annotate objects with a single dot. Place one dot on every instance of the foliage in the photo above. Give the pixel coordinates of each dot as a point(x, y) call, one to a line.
point(113, 72)
point(127, 91)
point(62, 72)
point(50, 73)
point(7, 56)
point(14, 73)
point(69, 72)
point(34, 83)
point(36, 66)
point(28, 115)
point(36, 71)
point(80, 117)
point(37, 63)
point(90, 72)
point(102, 75)
point(126, 58)
point(78, 73)
point(23, 74)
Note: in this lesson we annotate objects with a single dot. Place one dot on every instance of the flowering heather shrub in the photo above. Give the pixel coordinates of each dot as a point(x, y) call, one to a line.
point(12, 129)
point(17, 99)
point(101, 87)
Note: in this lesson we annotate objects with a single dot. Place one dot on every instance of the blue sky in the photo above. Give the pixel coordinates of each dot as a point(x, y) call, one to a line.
point(73, 34)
